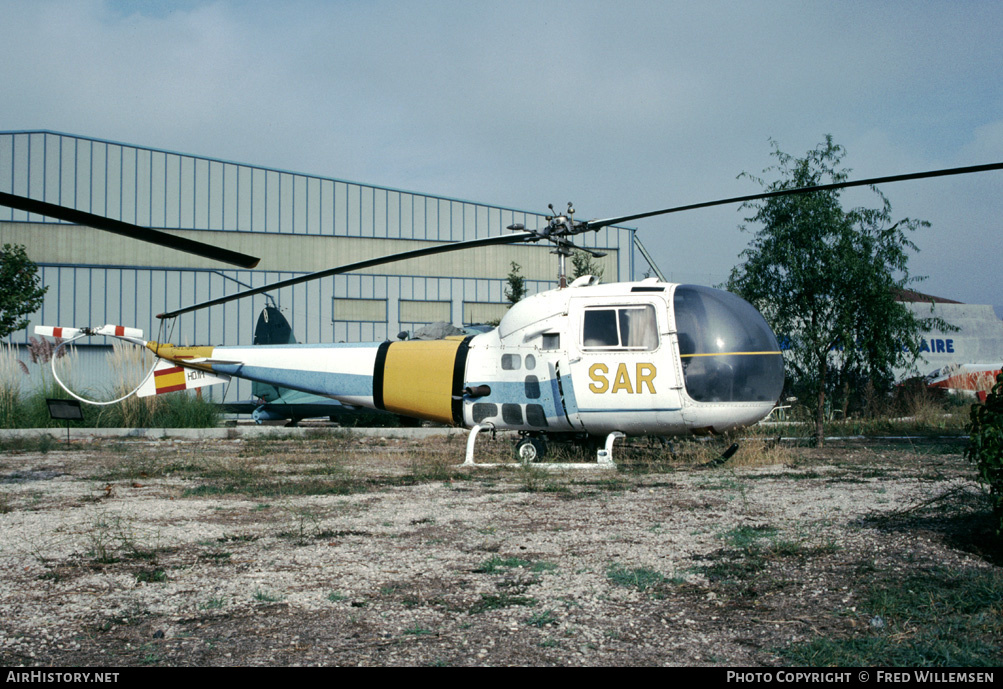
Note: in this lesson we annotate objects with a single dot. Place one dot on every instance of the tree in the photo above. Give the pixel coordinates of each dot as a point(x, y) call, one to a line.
point(985, 447)
point(516, 285)
point(21, 292)
point(583, 263)
point(826, 280)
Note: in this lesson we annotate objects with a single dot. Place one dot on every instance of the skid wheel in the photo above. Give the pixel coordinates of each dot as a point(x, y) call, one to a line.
point(530, 449)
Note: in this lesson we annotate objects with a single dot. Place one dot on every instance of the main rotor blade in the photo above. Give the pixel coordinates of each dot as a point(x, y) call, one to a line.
point(359, 265)
point(125, 229)
point(598, 224)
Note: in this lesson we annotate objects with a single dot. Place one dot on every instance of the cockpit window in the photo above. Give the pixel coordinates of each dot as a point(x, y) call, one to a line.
point(622, 327)
point(729, 353)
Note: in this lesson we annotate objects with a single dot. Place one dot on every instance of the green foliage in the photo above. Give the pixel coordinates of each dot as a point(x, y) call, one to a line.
point(516, 291)
point(826, 279)
point(584, 264)
point(985, 446)
point(21, 291)
point(931, 618)
point(639, 578)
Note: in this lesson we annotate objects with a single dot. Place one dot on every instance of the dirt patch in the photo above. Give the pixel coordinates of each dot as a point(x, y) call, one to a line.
point(383, 552)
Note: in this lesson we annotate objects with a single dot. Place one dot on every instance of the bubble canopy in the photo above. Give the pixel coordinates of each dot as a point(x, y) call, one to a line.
point(729, 353)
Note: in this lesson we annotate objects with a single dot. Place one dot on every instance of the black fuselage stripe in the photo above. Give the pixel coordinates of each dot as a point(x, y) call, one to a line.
point(378, 369)
point(459, 373)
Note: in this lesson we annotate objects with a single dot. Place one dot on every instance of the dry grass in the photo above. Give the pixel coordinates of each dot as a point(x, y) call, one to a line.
point(131, 364)
point(12, 373)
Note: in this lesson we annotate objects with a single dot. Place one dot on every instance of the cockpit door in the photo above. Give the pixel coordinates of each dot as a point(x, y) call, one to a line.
point(622, 366)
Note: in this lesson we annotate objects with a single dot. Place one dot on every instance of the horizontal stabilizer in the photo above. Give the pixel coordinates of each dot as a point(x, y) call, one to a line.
point(169, 377)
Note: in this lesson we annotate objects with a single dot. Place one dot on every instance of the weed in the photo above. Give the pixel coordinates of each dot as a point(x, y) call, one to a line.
point(495, 602)
point(151, 576)
point(212, 604)
point(752, 548)
point(42, 443)
point(723, 484)
point(306, 527)
point(640, 578)
point(336, 597)
point(541, 619)
point(266, 596)
point(110, 539)
point(744, 537)
point(536, 480)
point(237, 538)
point(427, 467)
point(932, 618)
point(418, 630)
point(496, 564)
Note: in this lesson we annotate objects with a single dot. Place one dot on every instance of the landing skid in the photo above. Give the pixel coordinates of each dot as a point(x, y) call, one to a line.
point(532, 449)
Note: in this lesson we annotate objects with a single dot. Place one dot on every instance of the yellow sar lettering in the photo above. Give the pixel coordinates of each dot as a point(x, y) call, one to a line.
point(644, 377)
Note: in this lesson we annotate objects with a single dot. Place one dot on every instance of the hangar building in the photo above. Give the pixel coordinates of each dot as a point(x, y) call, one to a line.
point(978, 338)
point(297, 223)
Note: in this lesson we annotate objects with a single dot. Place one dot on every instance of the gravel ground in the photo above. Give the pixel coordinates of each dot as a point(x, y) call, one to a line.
point(377, 551)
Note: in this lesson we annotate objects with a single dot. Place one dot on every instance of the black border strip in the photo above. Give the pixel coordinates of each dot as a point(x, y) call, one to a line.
point(459, 372)
point(379, 368)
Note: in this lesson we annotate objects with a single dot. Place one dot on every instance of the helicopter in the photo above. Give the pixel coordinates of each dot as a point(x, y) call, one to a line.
point(577, 363)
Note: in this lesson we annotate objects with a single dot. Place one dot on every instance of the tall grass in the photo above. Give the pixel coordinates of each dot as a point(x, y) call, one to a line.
point(12, 373)
point(173, 410)
point(25, 387)
point(129, 365)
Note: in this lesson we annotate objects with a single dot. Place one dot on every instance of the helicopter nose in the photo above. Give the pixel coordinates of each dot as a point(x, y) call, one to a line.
point(728, 351)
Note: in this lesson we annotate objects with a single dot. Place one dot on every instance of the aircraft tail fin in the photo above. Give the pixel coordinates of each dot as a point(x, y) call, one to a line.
point(272, 328)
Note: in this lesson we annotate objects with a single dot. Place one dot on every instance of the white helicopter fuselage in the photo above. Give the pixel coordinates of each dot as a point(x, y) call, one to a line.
point(644, 358)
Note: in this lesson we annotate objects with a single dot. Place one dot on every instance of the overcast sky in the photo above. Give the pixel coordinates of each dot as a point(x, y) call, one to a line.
point(620, 107)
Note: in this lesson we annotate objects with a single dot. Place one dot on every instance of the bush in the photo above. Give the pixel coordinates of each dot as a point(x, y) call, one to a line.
point(985, 446)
